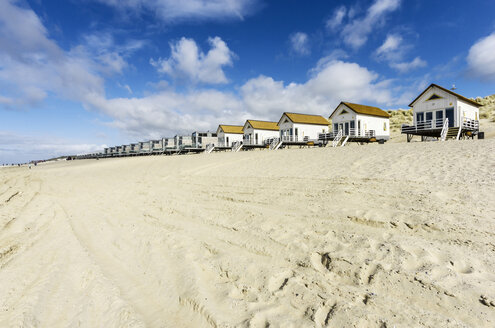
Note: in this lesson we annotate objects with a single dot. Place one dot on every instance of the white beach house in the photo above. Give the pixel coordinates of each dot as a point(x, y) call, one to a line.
point(201, 139)
point(144, 147)
point(127, 149)
point(156, 146)
point(256, 133)
point(228, 134)
point(360, 122)
point(442, 113)
point(300, 128)
point(135, 148)
point(183, 141)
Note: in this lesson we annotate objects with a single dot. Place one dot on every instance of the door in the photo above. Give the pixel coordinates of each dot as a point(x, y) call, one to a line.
point(295, 134)
point(256, 138)
point(335, 128)
point(359, 127)
point(346, 128)
point(228, 145)
point(449, 114)
point(353, 131)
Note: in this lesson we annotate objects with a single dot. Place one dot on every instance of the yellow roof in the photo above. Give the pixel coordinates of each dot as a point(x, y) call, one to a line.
point(305, 118)
point(237, 129)
point(365, 110)
point(262, 125)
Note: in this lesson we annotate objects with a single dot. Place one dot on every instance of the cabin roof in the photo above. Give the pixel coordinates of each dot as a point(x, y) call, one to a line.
point(363, 109)
point(237, 129)
point(305, 118)
point(262, 125)
point(469, 101)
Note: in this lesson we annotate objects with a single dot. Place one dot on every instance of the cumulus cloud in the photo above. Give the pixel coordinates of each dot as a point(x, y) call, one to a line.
point(75, 74)
point(299, 43)
point(188, 61)
point(405, 67)
point(481, 59)
point(356, 32)
point(173, 10)
point(33, 65)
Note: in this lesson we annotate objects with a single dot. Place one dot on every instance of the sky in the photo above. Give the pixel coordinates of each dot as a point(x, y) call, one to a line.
point(78, 76)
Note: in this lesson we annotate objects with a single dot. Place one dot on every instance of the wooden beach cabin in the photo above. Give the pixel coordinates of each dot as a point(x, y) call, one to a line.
point(442, 114)
point(358, 123)
point(258, 134)
point(127, 150)
point(135, 148)
point(228, 134)
point(300, 129)
point(156, 146)
point(144, 147)
point(202, 139)
point(182, 142)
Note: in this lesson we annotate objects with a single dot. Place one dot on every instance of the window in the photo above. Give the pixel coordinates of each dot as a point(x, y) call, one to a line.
point(343, 112)
point(335, 127)
point(384, 126)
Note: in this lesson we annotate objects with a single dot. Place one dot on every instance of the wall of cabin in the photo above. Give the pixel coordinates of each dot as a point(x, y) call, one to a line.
point(232, 137)
point(303, 130)
point(250, 134)
point(467, 110)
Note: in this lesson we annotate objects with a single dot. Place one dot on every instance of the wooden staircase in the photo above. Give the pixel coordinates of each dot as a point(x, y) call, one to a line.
point(453, 133)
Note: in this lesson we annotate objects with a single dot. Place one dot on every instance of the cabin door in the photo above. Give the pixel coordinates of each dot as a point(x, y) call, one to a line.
point(353, 128)
point(449, 113)
point(228, 142)
point(359, 127)
point(346, 128)
point(256, 138)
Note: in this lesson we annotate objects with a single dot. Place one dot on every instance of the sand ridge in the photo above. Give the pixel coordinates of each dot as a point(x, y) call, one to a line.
point(362, 236)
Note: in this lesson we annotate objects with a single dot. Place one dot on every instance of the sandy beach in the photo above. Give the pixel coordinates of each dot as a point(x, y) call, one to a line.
point(394, 235)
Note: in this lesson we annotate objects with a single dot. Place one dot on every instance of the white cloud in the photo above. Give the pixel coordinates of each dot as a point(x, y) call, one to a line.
point(187, 61)
point(390, 45)
point(299, 42)
point(39, 67)
point(337, 18)
point(16, 148)
point(356, 33)
point(173, 10)
point(405, 67)
point(393, 51)
point(481, 58)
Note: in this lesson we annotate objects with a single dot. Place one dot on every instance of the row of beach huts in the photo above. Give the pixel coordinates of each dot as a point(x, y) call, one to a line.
point(438, 113)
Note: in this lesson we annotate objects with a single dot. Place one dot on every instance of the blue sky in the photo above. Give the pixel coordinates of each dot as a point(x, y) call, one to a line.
point(76, 76)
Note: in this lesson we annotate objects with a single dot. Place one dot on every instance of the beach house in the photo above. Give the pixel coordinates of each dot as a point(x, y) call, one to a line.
point(229, 134)
point(201, 139)
point(156, 146)
point(256, 133)
point(144, 147)
point(168, 143)
point(360, 123)
point(134, 148)
point(441, 113)
point(301, 128)
point(127, 149)
point(184, 141)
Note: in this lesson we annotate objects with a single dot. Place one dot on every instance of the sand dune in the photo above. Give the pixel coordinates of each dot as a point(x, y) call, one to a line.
point(395, 235)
